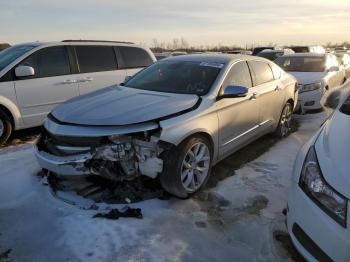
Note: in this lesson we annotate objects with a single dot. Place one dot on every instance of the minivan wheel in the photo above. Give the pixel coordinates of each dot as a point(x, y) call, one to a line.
point(186, 168)
point(5, 128)
point(284, 126)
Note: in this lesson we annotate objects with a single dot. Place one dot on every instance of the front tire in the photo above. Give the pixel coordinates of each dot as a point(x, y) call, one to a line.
point(186, 168)
point(284, 125)
point(5, 127)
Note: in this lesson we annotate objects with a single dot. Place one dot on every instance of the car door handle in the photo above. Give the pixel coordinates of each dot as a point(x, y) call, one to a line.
point(87, 79)
point(69, 81)
point(277, 88)
point(254, 96)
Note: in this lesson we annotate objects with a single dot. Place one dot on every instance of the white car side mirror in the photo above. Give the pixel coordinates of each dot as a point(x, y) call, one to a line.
point(24, 71)
point(334, 69)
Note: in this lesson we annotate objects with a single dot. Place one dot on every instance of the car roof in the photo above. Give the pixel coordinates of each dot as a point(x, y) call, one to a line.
point(79, 42)
point(305, 55)
point(214, 58)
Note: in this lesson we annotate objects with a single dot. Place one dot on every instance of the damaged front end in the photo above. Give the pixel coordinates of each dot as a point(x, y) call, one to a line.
point(117, 157)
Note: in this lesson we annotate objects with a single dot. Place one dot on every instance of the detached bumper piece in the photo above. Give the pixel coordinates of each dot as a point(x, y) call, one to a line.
point(118, 158)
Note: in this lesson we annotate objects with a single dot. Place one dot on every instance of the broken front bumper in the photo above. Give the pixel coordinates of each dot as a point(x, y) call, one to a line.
point(64, 165)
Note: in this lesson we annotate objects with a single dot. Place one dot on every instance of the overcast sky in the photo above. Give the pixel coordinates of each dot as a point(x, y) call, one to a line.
point(200, 22)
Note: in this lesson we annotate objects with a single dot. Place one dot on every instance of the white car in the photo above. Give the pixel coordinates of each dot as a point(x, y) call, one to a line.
point(318, 205)
point(36, 77)
point(316, 74)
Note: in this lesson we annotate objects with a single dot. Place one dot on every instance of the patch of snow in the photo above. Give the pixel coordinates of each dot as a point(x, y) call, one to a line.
point(235, 220)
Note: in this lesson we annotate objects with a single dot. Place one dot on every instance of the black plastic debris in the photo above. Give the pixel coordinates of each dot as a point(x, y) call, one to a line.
point(116, 214)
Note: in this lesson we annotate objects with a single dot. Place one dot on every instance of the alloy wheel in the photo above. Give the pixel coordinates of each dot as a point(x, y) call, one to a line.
point(195, 167)
point(286, 120)
point(2, 127)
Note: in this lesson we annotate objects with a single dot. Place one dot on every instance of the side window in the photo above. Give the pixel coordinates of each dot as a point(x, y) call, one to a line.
point(96, 58)
point(261, 72)
point(277, 72)
point(49, 62)
point(134, 57)
point(239, 75)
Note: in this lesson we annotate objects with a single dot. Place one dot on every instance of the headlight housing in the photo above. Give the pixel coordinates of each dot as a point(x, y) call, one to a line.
point(313, 184)
point(310, 87)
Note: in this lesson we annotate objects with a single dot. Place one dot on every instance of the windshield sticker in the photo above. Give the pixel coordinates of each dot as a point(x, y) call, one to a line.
point(216, 65)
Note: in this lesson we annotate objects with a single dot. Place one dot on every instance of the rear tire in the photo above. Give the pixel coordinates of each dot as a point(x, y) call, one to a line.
point(284, 126)
point(5, 127)
point(186, 168)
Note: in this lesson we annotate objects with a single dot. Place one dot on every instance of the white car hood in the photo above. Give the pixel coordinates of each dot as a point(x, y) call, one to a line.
point(333, 150)
point(305, 78)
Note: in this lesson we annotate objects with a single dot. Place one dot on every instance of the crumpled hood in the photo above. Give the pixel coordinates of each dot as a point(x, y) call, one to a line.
point(305, 78)
point(117, 105)
point(332, 149)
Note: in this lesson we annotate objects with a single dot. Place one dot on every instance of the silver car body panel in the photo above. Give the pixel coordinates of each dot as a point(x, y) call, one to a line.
point(230, 124)
point(117, 106)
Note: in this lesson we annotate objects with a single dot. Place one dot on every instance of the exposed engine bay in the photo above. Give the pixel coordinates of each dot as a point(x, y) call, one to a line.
point(117, 157)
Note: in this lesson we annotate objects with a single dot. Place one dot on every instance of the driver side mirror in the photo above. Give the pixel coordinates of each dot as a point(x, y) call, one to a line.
point(24, 71)
point(232, 91)
point(332, 100)
point(334, 69)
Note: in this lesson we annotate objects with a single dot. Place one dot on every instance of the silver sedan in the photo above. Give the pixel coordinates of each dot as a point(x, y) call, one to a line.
point(173, 120)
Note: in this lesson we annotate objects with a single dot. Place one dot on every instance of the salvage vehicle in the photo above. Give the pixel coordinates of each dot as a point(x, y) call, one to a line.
point(274, 54)
point(318, 205)
point(36, 77)
point(316, 75)
point(173, 120)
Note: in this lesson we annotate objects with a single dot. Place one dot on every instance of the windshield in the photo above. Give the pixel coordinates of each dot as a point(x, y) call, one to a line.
point(270, 55)
point(177, 77)
point(300, 49)
point(302, 64)
point(9, 55)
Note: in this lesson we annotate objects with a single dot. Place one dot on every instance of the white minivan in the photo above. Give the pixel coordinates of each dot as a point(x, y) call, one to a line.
point(36, 77)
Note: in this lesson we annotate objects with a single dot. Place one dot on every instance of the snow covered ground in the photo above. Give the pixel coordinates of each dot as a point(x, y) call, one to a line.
point(240, 219)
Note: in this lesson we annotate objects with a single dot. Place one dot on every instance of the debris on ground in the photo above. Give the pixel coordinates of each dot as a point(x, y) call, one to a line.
point(116, 214)
point(4, 256)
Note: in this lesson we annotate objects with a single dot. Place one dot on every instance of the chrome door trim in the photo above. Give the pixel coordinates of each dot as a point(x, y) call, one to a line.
point(246, 132)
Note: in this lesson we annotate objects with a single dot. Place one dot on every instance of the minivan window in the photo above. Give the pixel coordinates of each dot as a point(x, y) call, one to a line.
point(181, 77)
point(49, 62)
point(261, 72)
point(9, 55)
point(96, 58)
point(134, 57)
point(239, 75)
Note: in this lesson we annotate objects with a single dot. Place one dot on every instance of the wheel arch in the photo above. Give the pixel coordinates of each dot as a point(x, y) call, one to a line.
point(12, 111)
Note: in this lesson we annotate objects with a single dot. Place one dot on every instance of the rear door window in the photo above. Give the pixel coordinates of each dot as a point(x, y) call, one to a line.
point(96, 58)
point(49, 62)
point(134, 57)
point(239, 75)
point(261, 72)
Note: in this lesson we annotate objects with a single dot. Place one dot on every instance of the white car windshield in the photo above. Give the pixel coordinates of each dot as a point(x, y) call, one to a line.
point(302, 64)
point(180, 77)
point(9, 55)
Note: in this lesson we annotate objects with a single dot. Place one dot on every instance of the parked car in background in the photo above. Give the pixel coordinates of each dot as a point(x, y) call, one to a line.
point(308, 49)
point(36, 77)
point(344, 62)
point(175, 120)
point(341, 49)
point(274, 54)
point(161, 56)
point(258, 49)
point(3, 46)
point(239, 52)
point(316, 74)
point(318, 206)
